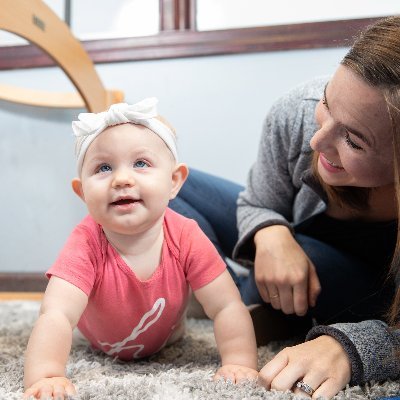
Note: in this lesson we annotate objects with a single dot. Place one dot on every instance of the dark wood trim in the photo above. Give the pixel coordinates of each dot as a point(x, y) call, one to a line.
point(168, 15)
point(187, 15)
point(177, 15)
point(22, 282)
point(191, 14)
point(176, 44)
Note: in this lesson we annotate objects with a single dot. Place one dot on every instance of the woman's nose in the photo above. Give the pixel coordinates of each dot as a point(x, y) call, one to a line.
point(324, 138)
point(123, 177)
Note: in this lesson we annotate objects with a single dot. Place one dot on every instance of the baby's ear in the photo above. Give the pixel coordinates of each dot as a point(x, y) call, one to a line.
point(179, 175)
point(77, 188)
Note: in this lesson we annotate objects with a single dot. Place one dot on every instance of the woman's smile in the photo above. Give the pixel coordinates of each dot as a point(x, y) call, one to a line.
point(330, 166)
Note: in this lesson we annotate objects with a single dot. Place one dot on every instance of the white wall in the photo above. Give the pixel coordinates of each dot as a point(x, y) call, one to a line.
point(217, 105)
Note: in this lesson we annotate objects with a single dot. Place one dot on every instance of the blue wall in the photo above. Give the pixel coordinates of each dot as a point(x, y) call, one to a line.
point(217, 104)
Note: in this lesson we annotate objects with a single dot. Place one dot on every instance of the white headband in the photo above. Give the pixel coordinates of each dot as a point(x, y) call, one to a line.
point(144, 113)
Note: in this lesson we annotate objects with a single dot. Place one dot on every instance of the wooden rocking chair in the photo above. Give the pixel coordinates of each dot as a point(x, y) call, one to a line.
point(36, 22)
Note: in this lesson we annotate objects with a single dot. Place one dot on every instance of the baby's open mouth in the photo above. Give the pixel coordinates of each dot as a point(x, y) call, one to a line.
point(122, 202)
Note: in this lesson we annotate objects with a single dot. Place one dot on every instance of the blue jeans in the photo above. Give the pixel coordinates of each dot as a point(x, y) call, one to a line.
point(351, 291)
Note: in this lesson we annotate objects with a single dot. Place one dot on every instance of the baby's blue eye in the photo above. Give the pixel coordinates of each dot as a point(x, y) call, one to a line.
point(105, 168)
point(140, 164)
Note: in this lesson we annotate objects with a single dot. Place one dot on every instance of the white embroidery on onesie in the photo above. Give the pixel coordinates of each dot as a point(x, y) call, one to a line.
point(148, 319)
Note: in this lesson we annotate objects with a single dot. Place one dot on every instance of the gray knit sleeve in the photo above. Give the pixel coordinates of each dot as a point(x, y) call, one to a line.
point(273, 180)
point(371, 347)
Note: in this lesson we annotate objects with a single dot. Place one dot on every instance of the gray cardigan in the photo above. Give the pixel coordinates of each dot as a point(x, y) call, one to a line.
point(277, 193)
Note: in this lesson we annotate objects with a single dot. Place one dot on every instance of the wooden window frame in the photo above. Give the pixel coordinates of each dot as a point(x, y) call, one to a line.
point(178, 37)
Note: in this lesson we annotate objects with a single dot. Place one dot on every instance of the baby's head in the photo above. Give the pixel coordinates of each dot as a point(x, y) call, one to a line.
point(127, 165)
point(91, 125)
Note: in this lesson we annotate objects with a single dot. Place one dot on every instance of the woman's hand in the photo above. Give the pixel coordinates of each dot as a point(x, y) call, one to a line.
point(284, 275)
point(321, 363)
point(57, 388)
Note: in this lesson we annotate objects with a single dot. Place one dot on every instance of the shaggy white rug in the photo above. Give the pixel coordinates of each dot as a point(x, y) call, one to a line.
point(182, 371)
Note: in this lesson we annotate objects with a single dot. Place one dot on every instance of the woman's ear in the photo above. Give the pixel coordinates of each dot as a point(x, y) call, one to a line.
point(77, 188)
point(179, 175)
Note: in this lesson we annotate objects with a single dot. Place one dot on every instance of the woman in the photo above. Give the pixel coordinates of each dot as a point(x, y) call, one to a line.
point(318, 218)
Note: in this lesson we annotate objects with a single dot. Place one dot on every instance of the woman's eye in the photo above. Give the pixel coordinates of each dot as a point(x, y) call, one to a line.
point(350, 143)
point(140, 164)
point(104, 168)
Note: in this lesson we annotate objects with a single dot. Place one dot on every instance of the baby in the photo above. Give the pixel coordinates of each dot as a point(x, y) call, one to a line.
point(125, 275)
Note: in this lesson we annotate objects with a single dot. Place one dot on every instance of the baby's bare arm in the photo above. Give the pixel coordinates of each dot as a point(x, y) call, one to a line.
point(50, 341)
point(233, 328)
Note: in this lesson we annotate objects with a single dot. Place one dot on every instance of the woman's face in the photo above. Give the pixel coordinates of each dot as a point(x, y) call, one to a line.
point(354, 140)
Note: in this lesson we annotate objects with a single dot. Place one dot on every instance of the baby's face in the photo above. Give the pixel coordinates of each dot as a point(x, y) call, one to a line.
point(127, 178)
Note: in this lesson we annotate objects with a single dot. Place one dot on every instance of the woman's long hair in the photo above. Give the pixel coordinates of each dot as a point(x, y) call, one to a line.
point(375, 58)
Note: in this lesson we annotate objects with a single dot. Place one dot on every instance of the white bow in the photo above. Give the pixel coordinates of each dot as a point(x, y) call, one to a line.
point(144, 113)
point(91, 124)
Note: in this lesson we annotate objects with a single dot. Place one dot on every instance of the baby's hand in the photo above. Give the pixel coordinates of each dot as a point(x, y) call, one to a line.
point(236, 373)
point(57, 388)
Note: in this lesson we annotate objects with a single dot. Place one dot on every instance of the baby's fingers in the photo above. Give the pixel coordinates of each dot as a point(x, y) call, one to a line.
point(225, 375)
point(46, 393)
point(246, 375)
point(61, 393)
point(58, 388)
point(30, 394)
point(70, 389)
point(236, 374)
point(42, 392)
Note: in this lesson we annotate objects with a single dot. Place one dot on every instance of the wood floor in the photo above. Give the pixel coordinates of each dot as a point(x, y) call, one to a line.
point(20, 296)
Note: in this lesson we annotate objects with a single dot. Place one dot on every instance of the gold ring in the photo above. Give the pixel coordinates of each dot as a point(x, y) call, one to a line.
point(274, 296)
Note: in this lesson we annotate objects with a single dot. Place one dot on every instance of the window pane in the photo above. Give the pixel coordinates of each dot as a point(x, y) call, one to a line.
point(101, 19)
point(225, 14)
point(9, 39)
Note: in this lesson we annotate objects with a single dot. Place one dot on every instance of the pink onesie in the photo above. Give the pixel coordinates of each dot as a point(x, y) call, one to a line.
point(125, 316)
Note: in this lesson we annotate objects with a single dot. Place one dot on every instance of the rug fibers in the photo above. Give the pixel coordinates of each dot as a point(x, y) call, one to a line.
point(182, 371)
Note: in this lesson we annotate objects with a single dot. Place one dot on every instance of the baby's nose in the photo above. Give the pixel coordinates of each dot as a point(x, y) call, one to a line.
point(123, 177)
